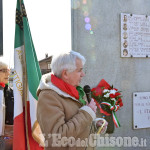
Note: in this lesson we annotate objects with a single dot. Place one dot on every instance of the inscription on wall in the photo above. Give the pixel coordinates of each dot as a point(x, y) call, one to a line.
point(141, 110)
point(135, 35)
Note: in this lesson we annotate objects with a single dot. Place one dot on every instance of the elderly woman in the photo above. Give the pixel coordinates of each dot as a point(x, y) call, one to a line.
point(64, 115)
point(5, 130)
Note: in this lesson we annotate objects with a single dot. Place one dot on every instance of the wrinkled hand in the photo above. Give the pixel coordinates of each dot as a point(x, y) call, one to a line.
point(92, 105)
point(100, 123)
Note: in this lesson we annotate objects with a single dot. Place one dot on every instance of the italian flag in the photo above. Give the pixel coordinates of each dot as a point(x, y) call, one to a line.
point(27, 75)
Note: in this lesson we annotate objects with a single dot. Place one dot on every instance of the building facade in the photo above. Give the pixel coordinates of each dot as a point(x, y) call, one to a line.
point(45, 64)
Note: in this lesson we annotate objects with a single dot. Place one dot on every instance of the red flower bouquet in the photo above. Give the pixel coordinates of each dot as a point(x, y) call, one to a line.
point(108, 100)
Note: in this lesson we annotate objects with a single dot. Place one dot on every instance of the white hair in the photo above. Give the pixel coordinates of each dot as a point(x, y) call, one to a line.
point(65, 61)
point(3, 65)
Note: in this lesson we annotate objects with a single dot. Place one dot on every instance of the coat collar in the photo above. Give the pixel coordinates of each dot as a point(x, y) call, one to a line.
point(46, 83)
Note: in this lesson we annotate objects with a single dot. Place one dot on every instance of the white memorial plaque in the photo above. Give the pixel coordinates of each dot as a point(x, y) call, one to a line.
point(141, 110)
point(135, 35)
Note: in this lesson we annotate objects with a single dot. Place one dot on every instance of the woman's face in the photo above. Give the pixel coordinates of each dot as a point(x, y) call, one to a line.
point(4, 74)
point(74, 78)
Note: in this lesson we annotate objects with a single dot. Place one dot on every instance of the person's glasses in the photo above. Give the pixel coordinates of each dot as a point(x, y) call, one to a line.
point(5, 70)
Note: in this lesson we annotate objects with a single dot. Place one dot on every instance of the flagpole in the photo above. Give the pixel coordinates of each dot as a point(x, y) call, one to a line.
point(25, 98)
point(25, 91)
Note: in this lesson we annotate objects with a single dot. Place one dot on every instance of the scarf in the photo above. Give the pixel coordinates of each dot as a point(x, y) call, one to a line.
point(2, 84)
point(77, 93)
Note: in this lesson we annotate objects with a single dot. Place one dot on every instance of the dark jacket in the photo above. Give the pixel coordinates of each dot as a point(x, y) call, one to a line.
point(9, 103)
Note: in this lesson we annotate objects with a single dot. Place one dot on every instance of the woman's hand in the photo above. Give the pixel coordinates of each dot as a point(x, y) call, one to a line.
point(92, 105)
point(100, 123)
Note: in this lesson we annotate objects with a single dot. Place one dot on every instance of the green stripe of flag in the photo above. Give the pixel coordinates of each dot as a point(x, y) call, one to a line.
point(33, 69)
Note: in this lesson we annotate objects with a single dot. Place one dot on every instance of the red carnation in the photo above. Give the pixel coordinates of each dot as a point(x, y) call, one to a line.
point(97, 91)
point(117, 94)
point(115, 89)
point(119, 102)
point(112, 95)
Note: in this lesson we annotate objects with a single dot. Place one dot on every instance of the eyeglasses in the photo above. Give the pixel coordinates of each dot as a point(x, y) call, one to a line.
point(5, 70)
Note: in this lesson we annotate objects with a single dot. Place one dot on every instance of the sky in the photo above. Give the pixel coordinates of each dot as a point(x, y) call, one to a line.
point(50, 26)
